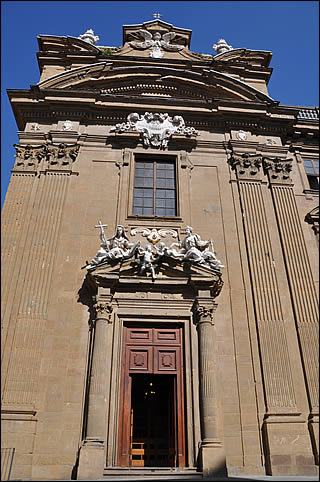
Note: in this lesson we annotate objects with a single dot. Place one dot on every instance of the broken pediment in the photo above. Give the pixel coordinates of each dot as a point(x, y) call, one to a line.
point(257, 58)
point(170, 273)
point(191, 260)
point(55, 43)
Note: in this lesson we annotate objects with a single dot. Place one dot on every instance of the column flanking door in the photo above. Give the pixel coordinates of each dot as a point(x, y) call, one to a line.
point(151, 423)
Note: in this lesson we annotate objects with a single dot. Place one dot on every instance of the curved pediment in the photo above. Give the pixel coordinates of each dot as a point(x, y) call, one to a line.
point(155, 81)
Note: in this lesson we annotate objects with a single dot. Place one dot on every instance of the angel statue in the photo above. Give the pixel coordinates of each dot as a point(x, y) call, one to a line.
point(156, 41)
point(198, 251)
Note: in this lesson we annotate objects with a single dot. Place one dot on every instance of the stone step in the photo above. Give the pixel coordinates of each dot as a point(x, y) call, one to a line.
point(151, 473)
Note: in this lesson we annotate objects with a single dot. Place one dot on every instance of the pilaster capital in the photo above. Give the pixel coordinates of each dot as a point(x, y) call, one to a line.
point(62, 156)
point(29, 157)
point(204, 309)
point(247, 166)
point(278, 170)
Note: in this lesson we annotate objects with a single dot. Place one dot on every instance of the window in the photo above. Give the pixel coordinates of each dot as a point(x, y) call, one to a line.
point(312, 170)
point(154, 188)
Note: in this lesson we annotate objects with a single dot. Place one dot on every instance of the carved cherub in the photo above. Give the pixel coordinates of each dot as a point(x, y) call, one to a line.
point(29, 155)
point(147, 260)
point(63, 154)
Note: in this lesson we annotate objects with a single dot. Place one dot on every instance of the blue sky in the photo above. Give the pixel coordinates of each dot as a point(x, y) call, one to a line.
point(289, 29)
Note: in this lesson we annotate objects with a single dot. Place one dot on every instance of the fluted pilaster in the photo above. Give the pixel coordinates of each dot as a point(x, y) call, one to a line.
point(278, 383)
point(14, 215)
point(301, 284)
point(32, 286)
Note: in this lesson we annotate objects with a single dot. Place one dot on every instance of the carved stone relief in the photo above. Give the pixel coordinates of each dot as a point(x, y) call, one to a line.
point(29, 157)
point(155, 128)
point(62, 155)
point(149, 259)
point(154, 235)
point(155, 41)
point(278, 169)
point(67, 126)
point(246, 165)
point(241, 135)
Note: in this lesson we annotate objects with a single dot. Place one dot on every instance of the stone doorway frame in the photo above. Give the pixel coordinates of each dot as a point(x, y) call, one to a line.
point(181, 294)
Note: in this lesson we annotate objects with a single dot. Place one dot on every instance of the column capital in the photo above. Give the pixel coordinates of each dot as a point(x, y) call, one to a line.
point(104, 310)
point(204, 309)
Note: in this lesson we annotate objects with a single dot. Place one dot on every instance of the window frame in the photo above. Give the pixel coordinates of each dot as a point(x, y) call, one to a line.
point(161, 158)
point(309, 175)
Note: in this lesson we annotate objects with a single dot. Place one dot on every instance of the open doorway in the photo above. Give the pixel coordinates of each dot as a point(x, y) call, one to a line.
point(153, 421)
point(151, 409)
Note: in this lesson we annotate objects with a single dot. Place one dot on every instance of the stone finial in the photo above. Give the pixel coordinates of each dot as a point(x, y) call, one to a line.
point(221, 47)
point(89, 37)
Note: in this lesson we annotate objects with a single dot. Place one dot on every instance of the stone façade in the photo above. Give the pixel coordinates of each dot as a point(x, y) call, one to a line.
point(250, 371)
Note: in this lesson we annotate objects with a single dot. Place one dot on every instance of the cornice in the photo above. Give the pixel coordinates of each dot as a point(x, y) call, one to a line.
point(48, 105)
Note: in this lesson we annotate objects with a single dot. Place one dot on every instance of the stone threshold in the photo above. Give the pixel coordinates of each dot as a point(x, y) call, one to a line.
point(152, 473)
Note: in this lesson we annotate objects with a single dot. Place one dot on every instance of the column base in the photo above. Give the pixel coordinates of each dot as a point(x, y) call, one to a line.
point(213, 459)
point(91, 459)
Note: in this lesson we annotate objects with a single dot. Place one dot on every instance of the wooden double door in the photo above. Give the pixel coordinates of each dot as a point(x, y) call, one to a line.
point(151, 425)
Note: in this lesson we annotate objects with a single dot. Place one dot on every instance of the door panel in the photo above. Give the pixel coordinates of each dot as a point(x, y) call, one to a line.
point(166, 360)
point(140, 359)
point(139, 335)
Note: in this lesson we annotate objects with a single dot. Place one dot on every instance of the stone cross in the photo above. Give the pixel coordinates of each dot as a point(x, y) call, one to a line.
point(157, 15)
point(102, 233)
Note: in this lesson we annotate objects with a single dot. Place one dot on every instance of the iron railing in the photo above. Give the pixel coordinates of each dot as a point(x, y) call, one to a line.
point(6, 462)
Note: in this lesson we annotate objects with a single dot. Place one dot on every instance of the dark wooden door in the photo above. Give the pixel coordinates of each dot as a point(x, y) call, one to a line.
point(151, 425)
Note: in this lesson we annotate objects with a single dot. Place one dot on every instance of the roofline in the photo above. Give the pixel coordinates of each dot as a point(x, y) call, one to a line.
point(158, 21)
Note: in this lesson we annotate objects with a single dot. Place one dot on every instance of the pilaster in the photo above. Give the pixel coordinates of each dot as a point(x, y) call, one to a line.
point(280, 397)
point(301, 284)
point(32, 288)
